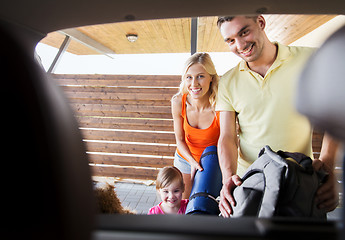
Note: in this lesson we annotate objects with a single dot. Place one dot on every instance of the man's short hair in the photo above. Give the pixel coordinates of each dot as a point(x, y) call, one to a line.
point(223, 19)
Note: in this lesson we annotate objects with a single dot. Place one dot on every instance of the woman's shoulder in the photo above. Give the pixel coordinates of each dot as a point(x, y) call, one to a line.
point(176, 103)
point(177, 98)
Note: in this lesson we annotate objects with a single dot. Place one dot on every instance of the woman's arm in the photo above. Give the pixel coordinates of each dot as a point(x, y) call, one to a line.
point(176, 109)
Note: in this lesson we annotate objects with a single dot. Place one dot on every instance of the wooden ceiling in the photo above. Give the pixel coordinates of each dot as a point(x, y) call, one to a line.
point(174, 35)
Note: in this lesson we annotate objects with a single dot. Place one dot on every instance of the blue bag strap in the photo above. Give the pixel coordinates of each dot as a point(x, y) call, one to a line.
point(208, 153)
point(203, 194)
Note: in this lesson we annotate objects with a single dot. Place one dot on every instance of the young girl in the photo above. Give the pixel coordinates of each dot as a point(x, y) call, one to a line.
point(196, 124)
point(170, 186)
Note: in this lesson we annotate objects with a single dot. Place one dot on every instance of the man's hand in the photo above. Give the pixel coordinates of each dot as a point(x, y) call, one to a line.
point(327, 196)
point(227, 201)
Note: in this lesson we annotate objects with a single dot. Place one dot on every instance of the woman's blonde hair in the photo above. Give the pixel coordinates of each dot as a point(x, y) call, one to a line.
point(167, 175)
point(205, 60)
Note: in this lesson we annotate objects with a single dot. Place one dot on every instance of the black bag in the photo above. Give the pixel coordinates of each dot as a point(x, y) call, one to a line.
point(275, 185)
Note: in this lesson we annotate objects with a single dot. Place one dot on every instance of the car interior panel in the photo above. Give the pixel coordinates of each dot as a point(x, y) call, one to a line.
point(48, 189)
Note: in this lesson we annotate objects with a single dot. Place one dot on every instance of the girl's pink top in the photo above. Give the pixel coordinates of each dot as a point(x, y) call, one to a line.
point(157, 209)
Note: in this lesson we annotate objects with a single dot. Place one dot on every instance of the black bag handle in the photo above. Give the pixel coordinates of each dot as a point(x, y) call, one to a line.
point(306, 162)
point(250, 173)
point(300, 158)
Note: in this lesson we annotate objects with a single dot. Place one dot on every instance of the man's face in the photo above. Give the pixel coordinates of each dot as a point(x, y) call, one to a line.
point(244, 37)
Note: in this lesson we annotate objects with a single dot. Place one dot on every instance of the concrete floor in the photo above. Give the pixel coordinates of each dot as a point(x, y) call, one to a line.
point(136, 196)
point(140, 198)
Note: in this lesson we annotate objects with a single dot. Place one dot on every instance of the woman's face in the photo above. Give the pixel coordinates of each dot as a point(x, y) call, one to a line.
point(197, 81)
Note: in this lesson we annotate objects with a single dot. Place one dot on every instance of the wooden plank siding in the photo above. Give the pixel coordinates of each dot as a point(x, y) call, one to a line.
point(317, 142)
point(126, 122)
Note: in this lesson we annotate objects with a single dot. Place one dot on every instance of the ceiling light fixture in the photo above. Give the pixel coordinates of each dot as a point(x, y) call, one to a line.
point(132, 37)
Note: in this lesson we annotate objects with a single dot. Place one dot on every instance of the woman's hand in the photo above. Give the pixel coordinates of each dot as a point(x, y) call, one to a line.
point(194, 166)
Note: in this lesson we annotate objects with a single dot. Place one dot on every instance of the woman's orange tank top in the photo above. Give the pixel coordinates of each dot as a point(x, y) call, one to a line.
point(198, 139)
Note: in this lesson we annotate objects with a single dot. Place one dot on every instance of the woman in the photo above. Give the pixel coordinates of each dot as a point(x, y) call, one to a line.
point(196, 124)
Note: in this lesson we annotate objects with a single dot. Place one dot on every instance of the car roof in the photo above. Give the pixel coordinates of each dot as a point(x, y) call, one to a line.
point(46, 16)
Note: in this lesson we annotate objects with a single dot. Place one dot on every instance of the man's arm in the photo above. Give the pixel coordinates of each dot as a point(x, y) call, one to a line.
point(327, 196)
point(227, 154)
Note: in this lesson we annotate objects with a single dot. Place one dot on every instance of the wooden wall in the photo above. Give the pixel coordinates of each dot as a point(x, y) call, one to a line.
point(126, 122)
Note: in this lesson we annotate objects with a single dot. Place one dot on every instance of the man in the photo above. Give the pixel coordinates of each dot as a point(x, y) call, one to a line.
point(259, 92)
